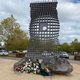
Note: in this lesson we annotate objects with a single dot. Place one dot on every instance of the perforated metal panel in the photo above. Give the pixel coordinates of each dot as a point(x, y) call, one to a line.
point(44, 27)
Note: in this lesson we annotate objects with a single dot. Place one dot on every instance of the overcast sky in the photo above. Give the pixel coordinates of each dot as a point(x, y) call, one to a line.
point(68, 13)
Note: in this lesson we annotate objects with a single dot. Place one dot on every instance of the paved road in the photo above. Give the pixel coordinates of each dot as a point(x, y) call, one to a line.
point(11, 58)
point(74, 61)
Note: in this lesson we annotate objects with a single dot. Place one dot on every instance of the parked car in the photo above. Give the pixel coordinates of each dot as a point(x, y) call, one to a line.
point(24, 51)
point(3, 52)
point(15, 51)
point(64, 55)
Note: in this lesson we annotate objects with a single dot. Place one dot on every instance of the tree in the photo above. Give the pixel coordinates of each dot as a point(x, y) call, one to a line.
point(0, 45)
point(59, 47)
point(1, 31)
point(75, 46)
point(18, 41)
point(65, 47)
point(14, 37)
point(7, 26)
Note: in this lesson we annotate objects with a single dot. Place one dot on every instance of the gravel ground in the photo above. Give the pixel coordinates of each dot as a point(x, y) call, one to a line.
point(7, 73)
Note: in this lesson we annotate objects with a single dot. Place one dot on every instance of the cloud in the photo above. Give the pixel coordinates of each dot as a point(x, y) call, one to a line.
point(20, 9)
point(68, 13)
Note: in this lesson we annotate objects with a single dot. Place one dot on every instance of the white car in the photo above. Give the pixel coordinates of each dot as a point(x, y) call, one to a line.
point(64, 55)
point(3, 52)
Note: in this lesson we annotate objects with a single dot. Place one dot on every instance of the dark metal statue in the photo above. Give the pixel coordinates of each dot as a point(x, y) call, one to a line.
point(44, 32)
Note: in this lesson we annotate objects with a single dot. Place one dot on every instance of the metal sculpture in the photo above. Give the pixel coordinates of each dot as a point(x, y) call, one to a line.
point(44, 28)
point(44, 32)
